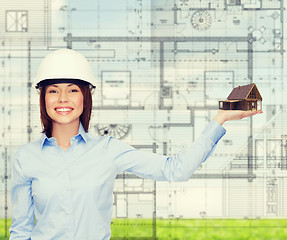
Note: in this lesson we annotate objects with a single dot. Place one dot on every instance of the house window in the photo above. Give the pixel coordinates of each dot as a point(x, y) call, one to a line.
point(259, 105)
point(253, 104)
point(16, 21)
point(220, 105)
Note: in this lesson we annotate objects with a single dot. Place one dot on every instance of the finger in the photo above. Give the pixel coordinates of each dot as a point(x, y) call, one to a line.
point(257, 112)
point(252, 113)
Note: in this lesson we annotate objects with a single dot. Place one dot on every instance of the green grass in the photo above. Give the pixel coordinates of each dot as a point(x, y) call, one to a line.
point(197, 229)
point(2, 228)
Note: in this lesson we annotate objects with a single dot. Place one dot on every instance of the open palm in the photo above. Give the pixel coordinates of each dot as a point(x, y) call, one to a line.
point(228, 115)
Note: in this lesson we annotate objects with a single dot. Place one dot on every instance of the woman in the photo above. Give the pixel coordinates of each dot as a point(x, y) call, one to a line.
point(64, 180)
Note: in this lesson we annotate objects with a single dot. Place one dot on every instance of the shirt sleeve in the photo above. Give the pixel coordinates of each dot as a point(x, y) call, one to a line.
point(178, 167)
point(22, 203)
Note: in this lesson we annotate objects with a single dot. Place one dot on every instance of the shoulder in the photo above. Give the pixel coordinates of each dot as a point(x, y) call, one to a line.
point(31, 146)
point(28, 150)
point(109, 143)
point(95, 141)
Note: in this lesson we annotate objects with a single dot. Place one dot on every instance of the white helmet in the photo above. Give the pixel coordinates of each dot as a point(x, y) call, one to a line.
point(65, 66)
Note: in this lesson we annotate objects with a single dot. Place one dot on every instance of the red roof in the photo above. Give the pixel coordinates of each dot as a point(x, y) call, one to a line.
point(240, 92)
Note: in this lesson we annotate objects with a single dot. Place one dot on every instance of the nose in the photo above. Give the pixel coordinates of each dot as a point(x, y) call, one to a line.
point(63, 97)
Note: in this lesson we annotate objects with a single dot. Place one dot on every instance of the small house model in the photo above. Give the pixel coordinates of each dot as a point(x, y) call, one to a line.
point(245, 98)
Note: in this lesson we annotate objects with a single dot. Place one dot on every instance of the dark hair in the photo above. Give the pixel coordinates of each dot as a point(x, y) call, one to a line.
point(47, 122)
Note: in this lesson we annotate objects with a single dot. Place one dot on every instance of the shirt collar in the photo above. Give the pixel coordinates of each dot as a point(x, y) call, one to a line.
point(52, 141)
point(82, 133)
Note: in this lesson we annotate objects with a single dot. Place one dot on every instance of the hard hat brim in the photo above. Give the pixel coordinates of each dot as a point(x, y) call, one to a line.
point(47, 82)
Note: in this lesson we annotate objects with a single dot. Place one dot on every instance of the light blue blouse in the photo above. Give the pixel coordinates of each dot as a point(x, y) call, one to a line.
point(70, 193)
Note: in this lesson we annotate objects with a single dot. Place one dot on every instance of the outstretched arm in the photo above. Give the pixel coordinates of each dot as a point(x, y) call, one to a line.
point(180, 166)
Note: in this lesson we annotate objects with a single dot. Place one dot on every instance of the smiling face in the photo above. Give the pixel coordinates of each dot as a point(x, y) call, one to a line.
point(64, 103)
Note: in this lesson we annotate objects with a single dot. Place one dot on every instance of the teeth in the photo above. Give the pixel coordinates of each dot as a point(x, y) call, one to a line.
point(63, 109)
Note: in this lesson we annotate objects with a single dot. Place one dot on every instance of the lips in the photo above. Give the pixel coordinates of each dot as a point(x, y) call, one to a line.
point(63, 109)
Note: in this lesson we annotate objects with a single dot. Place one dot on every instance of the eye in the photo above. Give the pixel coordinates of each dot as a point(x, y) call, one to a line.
point(52, 91)
point(74, 90)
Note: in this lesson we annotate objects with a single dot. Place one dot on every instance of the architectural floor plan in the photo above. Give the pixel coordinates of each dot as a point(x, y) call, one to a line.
point(162, 66)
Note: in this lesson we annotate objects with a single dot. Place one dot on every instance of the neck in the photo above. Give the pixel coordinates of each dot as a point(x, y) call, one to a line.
point(64, 132)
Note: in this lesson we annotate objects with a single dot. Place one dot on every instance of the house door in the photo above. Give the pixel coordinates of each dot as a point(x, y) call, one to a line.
point(253, 105)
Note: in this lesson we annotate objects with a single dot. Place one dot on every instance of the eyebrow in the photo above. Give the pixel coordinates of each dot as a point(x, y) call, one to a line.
point(57, 86)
